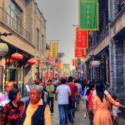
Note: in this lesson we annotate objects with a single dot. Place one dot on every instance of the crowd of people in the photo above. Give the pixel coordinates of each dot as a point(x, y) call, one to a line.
point(101, 107)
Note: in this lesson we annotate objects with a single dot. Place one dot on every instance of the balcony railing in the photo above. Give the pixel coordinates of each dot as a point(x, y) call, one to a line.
point(105, 29)
point(6, 18)
point(121, 5)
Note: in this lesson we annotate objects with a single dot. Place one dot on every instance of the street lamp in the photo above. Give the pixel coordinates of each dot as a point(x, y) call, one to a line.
point(3, 46)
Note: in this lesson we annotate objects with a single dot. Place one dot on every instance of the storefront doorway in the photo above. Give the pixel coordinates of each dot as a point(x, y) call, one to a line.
point(16, 76)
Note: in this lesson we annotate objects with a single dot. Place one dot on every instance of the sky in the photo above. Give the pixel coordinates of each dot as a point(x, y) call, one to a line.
point(61, 15)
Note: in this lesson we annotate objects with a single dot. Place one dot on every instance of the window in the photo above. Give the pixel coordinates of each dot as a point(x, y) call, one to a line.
point(15, 16)
point(37, 45)
point(42, 44)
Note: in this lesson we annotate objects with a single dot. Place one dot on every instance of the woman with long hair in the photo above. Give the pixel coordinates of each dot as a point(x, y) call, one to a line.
point(100, 107)
point(90, 101)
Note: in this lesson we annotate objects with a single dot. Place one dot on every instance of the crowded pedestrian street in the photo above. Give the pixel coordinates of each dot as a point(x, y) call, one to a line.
point(62, 62)
point(79, 116)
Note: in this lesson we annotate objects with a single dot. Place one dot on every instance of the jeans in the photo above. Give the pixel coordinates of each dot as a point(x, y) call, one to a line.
point(71, 110)
point(63, 109)
point(51, 99)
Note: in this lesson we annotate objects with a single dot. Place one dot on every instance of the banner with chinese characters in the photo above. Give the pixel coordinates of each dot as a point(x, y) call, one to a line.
point(81, 38)
point(62, 66)
point(64, 69)
point(74, 62)
point(83, 59)
point(89, 14)
point(51, 61)
point(79, 53)
point(58, 65)
point(67, 71)
point(53, 53)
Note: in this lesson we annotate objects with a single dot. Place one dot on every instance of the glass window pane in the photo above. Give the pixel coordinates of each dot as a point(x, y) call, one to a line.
point(12, 5)
point(16, 10)
point(16, 22)
point(9, 2)
point(9, 19)
point(12, 19)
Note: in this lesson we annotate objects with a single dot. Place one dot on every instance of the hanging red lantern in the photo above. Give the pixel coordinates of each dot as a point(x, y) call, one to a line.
point(9, 61)
point(16, 57)
point(31, 62)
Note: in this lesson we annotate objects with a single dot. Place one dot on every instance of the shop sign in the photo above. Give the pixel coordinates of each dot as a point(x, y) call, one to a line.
point(44, 67)
point(50, 61)
point(79, 53)
point(37, 62)
point(53, 53)
point(89, 15)
point(74, 62)
point(81, 39)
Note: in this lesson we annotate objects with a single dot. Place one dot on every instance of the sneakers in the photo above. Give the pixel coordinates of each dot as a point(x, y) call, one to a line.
point(85, 116)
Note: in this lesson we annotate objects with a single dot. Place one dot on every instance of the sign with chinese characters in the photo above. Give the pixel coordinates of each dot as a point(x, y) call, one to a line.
point(89, 14)
point(53, 50)
point(37, 62)
point(50, 61)
point(47, 53)
point(62, 66)
point(79, 53)
point(64, 69)
point(81, 38)
point(42, 64)
point(67, 71)
point(83, 59)
point(74, 62)
point(58, 65)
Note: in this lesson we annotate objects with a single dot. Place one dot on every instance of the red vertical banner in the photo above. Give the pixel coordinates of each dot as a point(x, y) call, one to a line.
point(58, 65)
point(81, 38)
point(46, 78)
point(79, 53)
point(51, 75)
point(74, 62)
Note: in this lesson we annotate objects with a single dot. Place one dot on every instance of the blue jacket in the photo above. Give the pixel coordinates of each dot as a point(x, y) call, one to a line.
point(38, 117)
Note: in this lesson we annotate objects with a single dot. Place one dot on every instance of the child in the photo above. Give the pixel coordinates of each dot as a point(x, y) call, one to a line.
point(77, 100)
point(115, 111)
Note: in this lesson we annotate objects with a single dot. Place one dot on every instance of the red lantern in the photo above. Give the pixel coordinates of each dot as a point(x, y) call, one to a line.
point(31, 62)
point(42, 64)
point(9, 61)
point(16, 57)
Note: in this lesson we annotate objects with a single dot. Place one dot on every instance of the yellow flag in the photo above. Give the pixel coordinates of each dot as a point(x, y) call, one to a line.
point(47, 53)
point(53, 50)
point(61, 65)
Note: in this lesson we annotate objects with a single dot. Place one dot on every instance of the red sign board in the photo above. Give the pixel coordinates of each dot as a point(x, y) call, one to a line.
point(79, 53)
point(74, 62)
point(81, 38)
point(58, 65)
point(50, 61)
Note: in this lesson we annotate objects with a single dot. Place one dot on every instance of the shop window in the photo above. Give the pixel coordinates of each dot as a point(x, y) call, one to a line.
point(102, 71)
point(15, 16)
point(37, 46)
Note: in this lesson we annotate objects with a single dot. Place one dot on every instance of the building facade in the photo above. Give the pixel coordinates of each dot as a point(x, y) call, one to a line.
point(24, 20)
point(108, 47)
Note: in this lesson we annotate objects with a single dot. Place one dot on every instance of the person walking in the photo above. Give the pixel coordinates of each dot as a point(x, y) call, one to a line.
point(50, 89)
point(63, 91)
point(44, 93)
point(36, 112)
point(90, 101)
point(74, 90)
point(101, 102)
point(13, 111)
point(8, 88)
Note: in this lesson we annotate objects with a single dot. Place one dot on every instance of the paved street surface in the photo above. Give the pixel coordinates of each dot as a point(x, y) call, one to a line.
point(79, 116)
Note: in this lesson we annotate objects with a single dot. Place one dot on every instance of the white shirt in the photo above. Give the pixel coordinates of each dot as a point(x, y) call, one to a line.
point(94, 93)
point(3, 103)
point(63, 94)
point(115, 111)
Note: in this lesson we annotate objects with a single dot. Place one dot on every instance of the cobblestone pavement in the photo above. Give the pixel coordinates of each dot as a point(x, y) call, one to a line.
point(79, 116)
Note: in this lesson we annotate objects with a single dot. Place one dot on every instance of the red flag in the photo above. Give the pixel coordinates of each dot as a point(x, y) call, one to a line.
point(81, 38)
